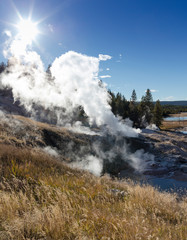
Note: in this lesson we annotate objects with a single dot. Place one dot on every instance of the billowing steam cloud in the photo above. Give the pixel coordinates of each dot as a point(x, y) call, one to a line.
point(71, 82)
point(74, 83)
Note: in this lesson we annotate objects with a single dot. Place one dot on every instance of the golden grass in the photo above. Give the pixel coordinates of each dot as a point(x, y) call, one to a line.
point(42, 198)
point(166, 125)
point(22, 132)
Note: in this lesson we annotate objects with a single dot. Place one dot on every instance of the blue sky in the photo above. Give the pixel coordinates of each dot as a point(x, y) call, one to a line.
point(147, 39)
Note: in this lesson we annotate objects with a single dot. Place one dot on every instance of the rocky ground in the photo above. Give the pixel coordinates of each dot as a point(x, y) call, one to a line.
point(169, 147)
point(170, 151)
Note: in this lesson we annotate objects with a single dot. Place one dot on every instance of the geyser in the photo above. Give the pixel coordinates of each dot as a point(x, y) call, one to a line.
point(71, 82)
point(74, 82)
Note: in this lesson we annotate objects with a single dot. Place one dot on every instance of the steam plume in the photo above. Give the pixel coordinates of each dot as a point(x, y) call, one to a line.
point(71, 82)
point(74, 83)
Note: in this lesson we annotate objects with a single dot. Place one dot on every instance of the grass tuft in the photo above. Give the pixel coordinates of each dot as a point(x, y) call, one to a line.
point(42, 198)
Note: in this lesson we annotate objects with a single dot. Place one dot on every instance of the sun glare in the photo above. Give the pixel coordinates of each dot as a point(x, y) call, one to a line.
point(27, 30)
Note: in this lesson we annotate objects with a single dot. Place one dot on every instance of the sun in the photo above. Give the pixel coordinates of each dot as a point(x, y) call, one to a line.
point(27, 30)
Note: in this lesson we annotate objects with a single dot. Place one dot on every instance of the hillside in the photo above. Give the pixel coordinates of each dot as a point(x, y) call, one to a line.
point(77, 159)
point(44, 198)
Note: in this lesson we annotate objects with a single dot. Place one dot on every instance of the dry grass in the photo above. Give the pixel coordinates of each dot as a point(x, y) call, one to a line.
point(166, 125)
point(22, 132)
point(181, 114)
point(41, 198)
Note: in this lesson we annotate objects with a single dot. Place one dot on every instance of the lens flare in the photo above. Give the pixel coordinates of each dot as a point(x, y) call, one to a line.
point(27, 30)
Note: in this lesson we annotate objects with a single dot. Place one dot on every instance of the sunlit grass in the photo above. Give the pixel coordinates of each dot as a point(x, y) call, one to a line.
point(42, 198)
point(167, 125)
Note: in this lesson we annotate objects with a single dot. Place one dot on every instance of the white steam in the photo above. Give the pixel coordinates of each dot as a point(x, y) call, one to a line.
point(74, 83)
point(91, 163)
point(51, 151)
point(71, 82)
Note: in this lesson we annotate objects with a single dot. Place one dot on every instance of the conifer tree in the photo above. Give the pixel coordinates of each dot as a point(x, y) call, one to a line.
point(133, 109)
point(158, 114)
point(2, 67)
point(146, 109)
point(133, 96)
point(148, 99)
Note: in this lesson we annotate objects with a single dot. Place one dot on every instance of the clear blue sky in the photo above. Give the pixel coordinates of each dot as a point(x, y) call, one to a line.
point(147, 39)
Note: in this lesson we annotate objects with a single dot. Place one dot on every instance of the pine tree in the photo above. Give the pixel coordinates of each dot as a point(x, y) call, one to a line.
point(2, 67)
point(133, 96)
point(49, 69)
point(112, 102)
point(148, 99)
point(146, 109)
point(133, 109)
point(157, 118)
point(119, 105)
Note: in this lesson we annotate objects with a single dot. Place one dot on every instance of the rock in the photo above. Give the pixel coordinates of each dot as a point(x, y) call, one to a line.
point(184, 168)
point(179, 176)
point(182, 160)
point(118, 193)
point(139, 143)
point(156, 172)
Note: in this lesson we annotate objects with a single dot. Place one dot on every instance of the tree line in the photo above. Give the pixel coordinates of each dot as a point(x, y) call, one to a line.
point(140, 113)
point(173, 109)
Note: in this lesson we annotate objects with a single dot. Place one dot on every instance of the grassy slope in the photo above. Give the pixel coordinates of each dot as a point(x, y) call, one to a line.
point(42, 198)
